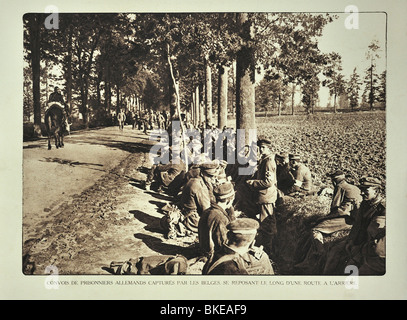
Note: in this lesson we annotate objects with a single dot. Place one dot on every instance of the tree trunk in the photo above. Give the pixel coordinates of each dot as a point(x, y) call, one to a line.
point(371, 95)
point(197, 113)
point(173, 102)
point(201, 106)
point(223, 97)
point(98, 97)
point(335, 103)
point(68, 75)
point(208, 92)
point(117, 99)
point(279, 105)
point(292, 99)
point(35, 64)
point(245, 79)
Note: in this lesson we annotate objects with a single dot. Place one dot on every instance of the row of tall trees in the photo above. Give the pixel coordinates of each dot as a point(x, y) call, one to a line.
point(131, 56)
point(356, 90)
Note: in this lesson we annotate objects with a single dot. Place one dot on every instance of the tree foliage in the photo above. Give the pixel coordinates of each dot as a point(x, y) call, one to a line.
point(108, 58)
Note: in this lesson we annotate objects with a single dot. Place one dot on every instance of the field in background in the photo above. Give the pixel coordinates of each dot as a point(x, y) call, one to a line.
point(353, 142)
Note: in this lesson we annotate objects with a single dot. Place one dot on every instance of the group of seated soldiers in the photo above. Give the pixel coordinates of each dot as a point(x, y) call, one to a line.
point(207, 192)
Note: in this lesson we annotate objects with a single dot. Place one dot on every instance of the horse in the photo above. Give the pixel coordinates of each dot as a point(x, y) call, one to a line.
point(57, 124)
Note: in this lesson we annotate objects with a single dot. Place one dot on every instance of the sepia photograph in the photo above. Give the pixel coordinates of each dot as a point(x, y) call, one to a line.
point(214, 150)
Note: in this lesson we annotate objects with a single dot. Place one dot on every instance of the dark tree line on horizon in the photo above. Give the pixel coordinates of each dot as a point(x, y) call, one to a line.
point(108, 60)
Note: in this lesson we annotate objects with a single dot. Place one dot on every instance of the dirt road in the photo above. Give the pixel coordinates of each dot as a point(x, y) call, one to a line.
point(83, 205)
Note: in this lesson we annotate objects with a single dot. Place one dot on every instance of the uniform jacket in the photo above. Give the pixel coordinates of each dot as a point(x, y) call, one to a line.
point(212, 228)
point(265, 181)
point(57, 97)
point(368, 234)
point(227, 261)
point(168, 172)
point(346, 198)
point(302, 174)
point(195, 196)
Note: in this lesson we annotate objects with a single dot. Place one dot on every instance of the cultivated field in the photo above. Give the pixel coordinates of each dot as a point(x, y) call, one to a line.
point(353, 142)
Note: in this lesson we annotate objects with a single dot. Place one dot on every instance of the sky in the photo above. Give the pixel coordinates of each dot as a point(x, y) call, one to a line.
point(352, 44)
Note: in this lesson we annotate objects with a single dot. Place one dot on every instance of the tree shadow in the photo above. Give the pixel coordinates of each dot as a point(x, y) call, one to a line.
point(152, 223)
point(158, 204)
point(137, 183)
point(143, 169)
point(160, 196)
point(131, 147)
point(161, 247)
point(36, 146)
point(71, 162)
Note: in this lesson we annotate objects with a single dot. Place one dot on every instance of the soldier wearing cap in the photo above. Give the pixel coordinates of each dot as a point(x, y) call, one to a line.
point(284, 177)
point(213, 221)
point(365, 245)
point(302, 179)
point(346, 199)
point(197, 194)
point(264, 186)
point(167, 175)
point(239, 255)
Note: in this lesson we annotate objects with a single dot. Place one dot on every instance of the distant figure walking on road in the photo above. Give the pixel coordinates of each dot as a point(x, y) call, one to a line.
point(121, 118)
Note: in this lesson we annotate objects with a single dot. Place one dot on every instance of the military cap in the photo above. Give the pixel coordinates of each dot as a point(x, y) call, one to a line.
point(224, 190)
point(210, 168)
point(263, 142)
point(282, 155)
point(366, 182)
point(243, 226)
point(336, 173)
point(294, 156)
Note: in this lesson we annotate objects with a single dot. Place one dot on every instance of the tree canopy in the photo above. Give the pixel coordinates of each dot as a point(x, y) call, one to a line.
point(107, 60)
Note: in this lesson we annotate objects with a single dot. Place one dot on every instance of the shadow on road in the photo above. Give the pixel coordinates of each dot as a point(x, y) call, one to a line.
point(161, 247)
point(128, 146)
point(71, 162)
point(36, 146)
point(153, 223)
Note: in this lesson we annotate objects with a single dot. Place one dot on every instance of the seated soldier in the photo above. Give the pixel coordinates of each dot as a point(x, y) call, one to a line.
point(166, 175)
point(366, 243)
point(284, 177)
point(212, 224)
point(239, 255)
point(197, 195)
point(346, 198)
point(302, 179)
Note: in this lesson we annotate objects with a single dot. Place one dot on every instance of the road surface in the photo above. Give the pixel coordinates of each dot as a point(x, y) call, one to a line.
point(83, 205)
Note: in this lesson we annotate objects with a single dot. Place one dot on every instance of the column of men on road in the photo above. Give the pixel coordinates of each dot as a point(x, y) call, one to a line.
point(205, 191)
